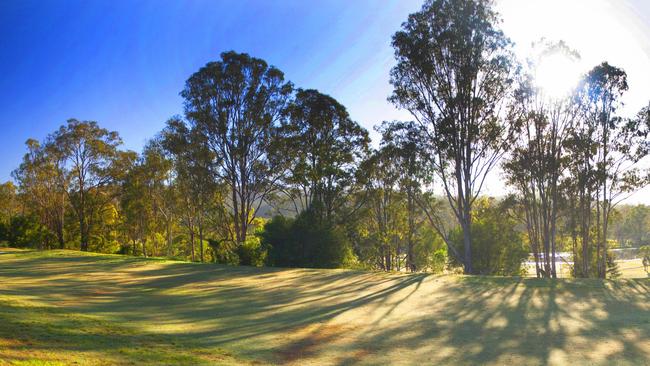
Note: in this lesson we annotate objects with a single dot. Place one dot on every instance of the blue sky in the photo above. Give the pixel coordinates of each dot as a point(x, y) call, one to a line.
point(123, 62)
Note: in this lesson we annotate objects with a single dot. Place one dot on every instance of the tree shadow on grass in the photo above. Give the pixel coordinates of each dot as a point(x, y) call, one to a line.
point(526, 322)
point(347, 317)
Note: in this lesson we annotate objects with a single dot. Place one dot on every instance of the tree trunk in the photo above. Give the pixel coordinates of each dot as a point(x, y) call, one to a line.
point(169, 238)
point(83, 233)
point(201, 239)
point(192, 241)
point(60, 236)
point(467, 244)
point(410, 259)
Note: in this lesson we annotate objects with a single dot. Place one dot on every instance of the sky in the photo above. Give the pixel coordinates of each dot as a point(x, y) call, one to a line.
point(123, 63)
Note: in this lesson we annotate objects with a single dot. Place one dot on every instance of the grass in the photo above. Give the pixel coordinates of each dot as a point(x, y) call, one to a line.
point(632, 268)
point(65, 307)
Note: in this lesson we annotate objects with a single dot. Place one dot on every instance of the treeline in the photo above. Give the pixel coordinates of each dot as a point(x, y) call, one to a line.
point(250, 140)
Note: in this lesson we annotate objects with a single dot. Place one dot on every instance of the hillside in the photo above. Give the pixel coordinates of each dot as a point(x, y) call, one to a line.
point(61, 307)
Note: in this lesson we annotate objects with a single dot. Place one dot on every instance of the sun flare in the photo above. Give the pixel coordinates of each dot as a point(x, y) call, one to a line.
point(557, 75)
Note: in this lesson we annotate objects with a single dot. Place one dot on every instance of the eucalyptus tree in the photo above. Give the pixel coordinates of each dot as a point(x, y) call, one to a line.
point(537, 162)
point(454, 73)
point(194, 165)
point(324, 146)
point(43, 187)
point(609, 148)
point(237, 103)
point(406, 146)
point(136, 203)
point(90, 163)
point(386, 219)
point(8, 207)
point(164, 198)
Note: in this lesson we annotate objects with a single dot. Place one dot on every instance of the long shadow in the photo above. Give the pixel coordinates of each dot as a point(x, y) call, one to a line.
point(465, 320)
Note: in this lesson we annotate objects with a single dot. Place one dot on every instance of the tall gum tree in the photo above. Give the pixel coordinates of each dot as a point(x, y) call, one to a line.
point(404, 144)
point(237, 103)
point(537, 162)
point(617, 145)
point(90, 162)
point(454, 74)
point(43, 186)
point(324, 146)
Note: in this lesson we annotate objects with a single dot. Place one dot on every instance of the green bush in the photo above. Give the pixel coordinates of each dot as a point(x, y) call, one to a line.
point(430, 251)
point(305, 242)
point(4, 232)
point(497, 246)
point(27, 232)
point(223, 252)
point(252, 253)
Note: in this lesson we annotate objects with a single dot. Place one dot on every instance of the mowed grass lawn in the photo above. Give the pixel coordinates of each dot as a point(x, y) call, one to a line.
point(66, 307)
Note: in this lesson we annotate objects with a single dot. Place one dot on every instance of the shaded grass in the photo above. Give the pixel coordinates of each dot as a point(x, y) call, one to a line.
point(61, 307)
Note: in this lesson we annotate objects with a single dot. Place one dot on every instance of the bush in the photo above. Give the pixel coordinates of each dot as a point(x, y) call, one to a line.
point(223, 252)
point(305, 242)
point(430, 251)
point(4, 232)
point(27, 232)
point(252, 253)
point(497, 246)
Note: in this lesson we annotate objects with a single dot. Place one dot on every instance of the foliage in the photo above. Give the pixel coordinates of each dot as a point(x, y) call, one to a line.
point(251, 252)
point(235, 104)
point(222, 252)
point(631, 225)
point(498, 245)
point(27, 232)
point(453, 74)
point(305, 242)
point(324, 147)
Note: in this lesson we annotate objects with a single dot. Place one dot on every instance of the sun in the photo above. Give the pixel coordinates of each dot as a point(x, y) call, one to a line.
point(557, 74)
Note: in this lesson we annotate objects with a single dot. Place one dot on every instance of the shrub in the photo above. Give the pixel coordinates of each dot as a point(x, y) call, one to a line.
point(305, 242)
point(497, 246)
point(27, 232)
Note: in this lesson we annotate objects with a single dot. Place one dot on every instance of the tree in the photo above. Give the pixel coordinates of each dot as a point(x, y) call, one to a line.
point(610, 150)
point(387, 219)
point(194, 165)
point(407, 148)
point(141, 188)
point(537, 162)
point(43, 187)
point(324, 147)
point(632, 228)
point(305, 241)
point(236, 103)
point(163, 191)
point(8, 208)
point(498, 245)
point(26, 231)
point(8, 201)
point(90, 163)
point(454, 73)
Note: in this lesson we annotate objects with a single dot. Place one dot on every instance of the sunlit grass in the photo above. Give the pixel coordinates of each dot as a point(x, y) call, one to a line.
point(65, 307)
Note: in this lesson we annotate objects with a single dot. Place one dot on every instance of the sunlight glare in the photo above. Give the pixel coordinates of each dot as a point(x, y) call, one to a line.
point(557, 75)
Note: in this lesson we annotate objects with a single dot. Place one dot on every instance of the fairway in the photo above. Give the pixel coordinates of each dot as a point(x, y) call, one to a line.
point(65, 307)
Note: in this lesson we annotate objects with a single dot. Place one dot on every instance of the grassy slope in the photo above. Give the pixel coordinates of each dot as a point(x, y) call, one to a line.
point(62, 307)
